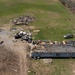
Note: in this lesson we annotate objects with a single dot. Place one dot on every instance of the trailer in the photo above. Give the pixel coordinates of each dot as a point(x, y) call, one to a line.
point(54, 51)
point(39, 55)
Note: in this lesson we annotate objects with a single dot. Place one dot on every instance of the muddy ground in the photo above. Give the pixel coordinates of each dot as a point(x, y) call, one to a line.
point(13, 60)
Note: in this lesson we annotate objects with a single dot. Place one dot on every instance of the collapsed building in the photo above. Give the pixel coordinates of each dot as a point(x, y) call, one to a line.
point(25, 20)
point(49, 49)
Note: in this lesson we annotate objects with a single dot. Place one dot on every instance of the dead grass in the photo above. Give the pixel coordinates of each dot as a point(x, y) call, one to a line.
point(41, 68)
point(58, 67)
point(72, 66)
point(9, 62)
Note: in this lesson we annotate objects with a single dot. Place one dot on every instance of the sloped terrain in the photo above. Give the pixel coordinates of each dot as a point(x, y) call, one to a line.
point(52, 20)
point(51, 17)
point(9, 62)
point(13, 60)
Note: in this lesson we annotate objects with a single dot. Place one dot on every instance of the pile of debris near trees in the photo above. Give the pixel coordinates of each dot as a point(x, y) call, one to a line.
point(69, 4)
point(24, 36)
point(46, 44)
point(65, 42)
point(25, 20)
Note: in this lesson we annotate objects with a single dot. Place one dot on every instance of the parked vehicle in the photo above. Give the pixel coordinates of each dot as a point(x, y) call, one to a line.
point(68, 36)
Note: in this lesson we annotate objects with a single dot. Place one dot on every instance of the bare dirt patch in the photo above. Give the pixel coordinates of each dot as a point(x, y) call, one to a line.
point(13, 60)
point(40, 68)
point(72, 66)
point(9, 62)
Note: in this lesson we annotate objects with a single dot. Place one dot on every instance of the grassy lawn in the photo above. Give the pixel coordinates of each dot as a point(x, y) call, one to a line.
point(52, 18)
point(52, 33)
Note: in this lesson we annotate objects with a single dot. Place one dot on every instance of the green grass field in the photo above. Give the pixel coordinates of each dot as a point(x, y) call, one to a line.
point(52, 19)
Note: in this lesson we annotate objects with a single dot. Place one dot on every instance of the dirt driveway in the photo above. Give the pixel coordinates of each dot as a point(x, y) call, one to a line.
point(13, 59)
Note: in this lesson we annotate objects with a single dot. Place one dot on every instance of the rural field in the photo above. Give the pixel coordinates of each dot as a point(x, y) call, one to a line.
point(53, 20)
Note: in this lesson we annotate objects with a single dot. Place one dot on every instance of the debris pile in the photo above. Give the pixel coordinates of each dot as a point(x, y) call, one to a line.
point(24, 36)
point(48, 61)
point(69, 4)
point(47, 45)
point(49, 49)
point(25, 20)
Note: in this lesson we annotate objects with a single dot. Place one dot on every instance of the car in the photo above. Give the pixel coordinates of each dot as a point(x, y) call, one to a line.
point(68, 36)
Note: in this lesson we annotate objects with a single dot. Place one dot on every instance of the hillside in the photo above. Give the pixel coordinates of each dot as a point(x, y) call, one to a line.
point(52, 18)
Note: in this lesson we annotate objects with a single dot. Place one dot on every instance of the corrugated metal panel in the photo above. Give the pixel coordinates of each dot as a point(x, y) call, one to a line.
point(53, 54)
